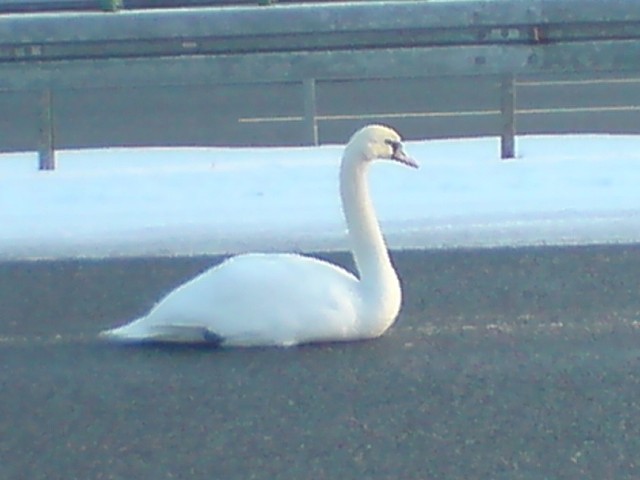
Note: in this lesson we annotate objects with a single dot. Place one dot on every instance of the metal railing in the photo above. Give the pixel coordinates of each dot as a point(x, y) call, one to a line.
point(29, 6)
point(311, 42)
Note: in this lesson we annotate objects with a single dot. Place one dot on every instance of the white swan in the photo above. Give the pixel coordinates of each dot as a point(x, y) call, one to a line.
point(287, 299)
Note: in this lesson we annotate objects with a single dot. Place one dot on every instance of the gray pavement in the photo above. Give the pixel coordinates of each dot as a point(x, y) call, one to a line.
point(504, 364)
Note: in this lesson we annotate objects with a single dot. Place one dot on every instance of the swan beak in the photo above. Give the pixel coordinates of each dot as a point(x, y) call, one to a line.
point(400, 156)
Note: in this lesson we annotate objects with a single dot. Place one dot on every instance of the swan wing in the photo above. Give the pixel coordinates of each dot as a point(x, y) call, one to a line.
point(140, 331)
point(256, 299)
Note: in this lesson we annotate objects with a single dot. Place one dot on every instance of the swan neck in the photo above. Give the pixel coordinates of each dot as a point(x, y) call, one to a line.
point(367, 243)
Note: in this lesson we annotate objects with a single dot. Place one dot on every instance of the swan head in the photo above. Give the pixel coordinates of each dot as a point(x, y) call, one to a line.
point(379, 142)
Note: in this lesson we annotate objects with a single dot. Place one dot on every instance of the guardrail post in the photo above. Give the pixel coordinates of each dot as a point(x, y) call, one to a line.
point(310, 114)
point(46, 153)
point(507, 116)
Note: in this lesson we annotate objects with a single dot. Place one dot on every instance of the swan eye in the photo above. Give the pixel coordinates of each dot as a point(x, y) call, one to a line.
point(395, 146)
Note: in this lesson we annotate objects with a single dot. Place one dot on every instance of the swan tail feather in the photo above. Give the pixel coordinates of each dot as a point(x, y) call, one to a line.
point(132, 333)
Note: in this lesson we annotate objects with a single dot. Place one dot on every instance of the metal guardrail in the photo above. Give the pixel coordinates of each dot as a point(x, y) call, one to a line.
point(30, 6)
point(309, 42)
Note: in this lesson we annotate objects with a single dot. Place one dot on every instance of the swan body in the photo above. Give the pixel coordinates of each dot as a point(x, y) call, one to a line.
point(287, 299)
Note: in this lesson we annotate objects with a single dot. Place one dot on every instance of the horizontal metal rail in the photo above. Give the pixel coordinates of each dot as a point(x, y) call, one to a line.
point(311, 27)
point(295, 42)
point(590, 57)
point(29, 6)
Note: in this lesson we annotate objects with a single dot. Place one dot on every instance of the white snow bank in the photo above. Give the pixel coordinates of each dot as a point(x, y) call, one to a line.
point(122, 202)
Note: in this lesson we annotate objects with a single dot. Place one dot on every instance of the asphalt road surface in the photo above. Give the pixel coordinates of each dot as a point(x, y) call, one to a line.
point(271, 114)
point(504, 364)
